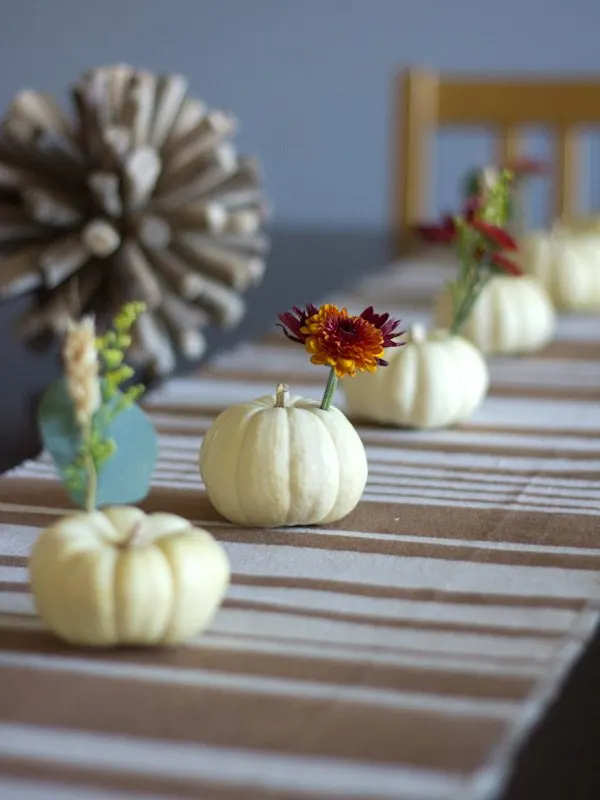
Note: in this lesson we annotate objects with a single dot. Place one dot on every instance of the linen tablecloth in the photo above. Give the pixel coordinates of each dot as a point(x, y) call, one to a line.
point(402, 653)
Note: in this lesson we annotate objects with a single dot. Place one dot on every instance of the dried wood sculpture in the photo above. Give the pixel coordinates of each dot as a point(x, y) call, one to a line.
point(141, 196)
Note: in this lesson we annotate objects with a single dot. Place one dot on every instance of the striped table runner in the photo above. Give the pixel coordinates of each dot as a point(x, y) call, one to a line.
point(403, 653)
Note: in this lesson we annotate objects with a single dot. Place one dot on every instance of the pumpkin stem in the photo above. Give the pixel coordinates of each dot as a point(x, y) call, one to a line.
point(135, 537)
point(282, 395)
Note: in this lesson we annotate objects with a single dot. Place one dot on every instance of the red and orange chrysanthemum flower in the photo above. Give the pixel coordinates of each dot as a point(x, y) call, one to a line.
point(347, 344)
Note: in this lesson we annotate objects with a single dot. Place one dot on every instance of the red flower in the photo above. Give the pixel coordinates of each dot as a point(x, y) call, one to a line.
point(445, 232)
point(495, 235)
point(498, 260)
point(505, 264)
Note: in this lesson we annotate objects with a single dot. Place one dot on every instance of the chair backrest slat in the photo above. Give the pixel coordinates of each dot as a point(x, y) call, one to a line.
point(428, 100)
point(522, 99)
point(510, 144)
point(567, 172)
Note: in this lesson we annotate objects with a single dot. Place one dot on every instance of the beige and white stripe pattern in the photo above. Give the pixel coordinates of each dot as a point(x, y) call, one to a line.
point(403, 653)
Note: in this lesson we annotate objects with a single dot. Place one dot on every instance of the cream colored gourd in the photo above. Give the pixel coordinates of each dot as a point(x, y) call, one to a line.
point(121, 577)
point(436, 379)
point(511, 315)
point(567, 262)
point(280, 461)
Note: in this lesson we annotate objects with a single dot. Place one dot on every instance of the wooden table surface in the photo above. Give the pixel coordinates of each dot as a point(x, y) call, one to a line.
point(561, 758)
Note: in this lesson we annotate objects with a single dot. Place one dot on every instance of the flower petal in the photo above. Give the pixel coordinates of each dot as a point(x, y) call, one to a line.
point(494, 234)
point(444, 233)
point(375, 319)
point(295, 320)
point(528, 166)
point(505, 264)
point(289, 335)
point(386, 324)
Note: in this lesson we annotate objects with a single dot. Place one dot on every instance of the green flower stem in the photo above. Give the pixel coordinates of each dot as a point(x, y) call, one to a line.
point(463, 309)
point(92, 475)
point(465, 306)
point(474, 272)
point(332, 381)
point(471, 279)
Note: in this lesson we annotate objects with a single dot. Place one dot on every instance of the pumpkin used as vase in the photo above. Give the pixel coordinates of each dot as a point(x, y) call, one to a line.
point(121, 577)
point(512, 315)
point(281, 461)
point(567, 262)
point(437, 379)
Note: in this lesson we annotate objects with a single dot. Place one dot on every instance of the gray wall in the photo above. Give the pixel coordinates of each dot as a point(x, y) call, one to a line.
point(309, 79)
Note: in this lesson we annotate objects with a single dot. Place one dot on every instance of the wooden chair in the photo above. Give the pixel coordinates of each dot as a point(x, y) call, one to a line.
point(428, 100)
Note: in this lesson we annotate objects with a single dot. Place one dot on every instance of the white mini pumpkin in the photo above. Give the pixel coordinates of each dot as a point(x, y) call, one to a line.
point(511, 315)
point(436, 379)
point(121, 577)
point(567, 262)
point(279, 461)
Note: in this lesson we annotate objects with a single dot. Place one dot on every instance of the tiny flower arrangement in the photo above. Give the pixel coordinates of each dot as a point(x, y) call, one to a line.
point(280, 461)
point(83, 416)
point(344, 343)
point(499, 315)
point(440, 378)
point(480, 241)
point(111, 574)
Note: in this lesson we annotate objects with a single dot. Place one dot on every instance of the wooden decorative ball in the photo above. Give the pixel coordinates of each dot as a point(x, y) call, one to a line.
point(140, 195)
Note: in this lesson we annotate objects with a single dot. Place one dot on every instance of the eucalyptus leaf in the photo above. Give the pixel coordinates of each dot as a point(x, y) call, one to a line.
point(125, 477)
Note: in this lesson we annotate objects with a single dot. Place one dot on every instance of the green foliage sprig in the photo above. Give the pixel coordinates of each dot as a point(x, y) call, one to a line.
point(97, 446)
point(111, 349)
point(103, 444)
point(481, 242)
